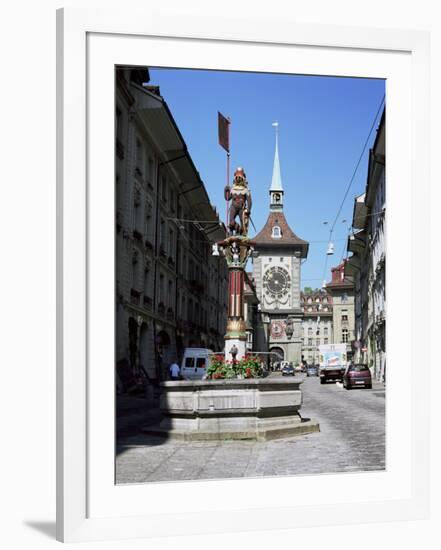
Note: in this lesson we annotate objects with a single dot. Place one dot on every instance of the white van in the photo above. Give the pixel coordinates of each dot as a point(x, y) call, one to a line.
point(195, 363)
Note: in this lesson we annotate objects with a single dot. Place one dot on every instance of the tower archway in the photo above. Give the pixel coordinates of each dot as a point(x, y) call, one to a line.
point(277, 355)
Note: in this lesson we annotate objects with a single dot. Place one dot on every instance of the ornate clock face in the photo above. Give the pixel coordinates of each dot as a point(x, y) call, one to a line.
point(276, 281)
point(277, 329)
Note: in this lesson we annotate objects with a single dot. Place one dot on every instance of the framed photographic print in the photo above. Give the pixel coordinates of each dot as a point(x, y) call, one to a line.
point(224, 224)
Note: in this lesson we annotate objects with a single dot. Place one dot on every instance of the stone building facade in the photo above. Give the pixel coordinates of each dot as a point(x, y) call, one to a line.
point(368, 261)
point(341, 290)
point(277, 256)
point(171, 292)
point(317, 323)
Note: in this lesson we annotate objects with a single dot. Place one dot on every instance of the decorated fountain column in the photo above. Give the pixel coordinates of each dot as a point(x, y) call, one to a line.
point(237, 249)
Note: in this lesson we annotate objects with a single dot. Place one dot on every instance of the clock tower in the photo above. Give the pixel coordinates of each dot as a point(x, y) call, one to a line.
point(276, 270)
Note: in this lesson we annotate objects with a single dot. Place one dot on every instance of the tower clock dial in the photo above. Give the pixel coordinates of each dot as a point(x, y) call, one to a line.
point(276, 281)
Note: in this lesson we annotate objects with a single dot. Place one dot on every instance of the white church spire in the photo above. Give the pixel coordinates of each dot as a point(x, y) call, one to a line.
point(276, 182)
point(276, 189)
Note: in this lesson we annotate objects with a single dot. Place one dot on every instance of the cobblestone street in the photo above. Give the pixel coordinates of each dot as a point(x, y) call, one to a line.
point(352, 438)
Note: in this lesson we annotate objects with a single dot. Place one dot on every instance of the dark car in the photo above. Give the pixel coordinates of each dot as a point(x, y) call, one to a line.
point(288, 370)
point(335, 374)
point(312, 370)
point(357, 375)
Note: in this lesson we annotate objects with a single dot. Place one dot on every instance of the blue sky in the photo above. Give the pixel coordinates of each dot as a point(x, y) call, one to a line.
point(323, 124)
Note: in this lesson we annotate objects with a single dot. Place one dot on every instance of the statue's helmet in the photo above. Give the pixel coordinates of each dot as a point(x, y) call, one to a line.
point(239, 172)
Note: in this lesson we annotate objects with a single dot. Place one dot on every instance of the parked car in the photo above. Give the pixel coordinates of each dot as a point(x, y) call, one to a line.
point(288, 370)
point(312, 370)
point(335, 374)
point(357, 375)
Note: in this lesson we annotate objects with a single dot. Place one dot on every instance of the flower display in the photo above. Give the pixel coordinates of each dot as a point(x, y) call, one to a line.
point(247, 367)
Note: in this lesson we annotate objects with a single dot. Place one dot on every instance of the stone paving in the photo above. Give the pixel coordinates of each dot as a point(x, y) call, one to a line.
point(352, 438)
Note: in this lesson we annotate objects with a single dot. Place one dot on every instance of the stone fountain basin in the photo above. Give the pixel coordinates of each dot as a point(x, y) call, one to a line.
point(257, 409)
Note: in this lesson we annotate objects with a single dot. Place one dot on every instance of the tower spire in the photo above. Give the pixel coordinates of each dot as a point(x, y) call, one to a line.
point(276, 182)
point(276, 189)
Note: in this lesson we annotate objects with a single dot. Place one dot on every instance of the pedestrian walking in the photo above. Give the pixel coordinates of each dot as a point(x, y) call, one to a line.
point(174, 371)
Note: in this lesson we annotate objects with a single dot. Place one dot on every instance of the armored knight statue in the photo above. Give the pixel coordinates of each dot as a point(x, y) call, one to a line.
point(240, 206)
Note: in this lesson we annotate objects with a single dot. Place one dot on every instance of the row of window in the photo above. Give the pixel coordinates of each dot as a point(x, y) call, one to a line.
point(310, 300)
point(309, 340)
point(310, 331)
point(318, 341)
point(323, 322)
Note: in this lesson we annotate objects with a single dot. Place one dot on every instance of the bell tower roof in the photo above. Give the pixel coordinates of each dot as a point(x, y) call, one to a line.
point(284, 237)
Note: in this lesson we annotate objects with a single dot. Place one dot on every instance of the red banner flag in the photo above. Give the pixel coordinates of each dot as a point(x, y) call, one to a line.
point(224, 131)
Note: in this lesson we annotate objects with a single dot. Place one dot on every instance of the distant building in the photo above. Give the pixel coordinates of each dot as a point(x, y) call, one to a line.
point(341, 289)
point(368, 261)
point(317, 326)
point(171, 292)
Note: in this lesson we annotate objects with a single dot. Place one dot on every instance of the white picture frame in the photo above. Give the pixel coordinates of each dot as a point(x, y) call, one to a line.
point(89, 506)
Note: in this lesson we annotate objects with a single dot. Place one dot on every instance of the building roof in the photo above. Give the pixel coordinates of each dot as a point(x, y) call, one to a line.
point(315, 293)
point(287, 238)
point(360, 212)
point(346, 283)
point(339, 278)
